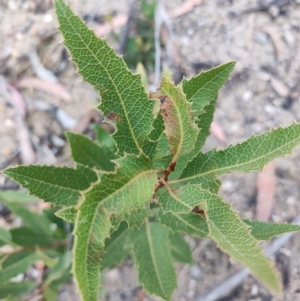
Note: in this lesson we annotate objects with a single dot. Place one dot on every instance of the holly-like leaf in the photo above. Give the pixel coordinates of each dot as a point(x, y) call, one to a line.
point(250, 155)
point(233, 237)
point(179, 119)
point(117, 193)
point(15, 264)
point(266, 231)
point(202, 88)
point(151, 253)
point(98, 64)
point(68, 214)
point(188, 223)
point(58, 185)
point(90, 154)
point(180, 250)
point(92, 227)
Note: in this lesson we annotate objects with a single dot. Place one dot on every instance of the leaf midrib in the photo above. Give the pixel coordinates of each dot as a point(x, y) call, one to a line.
point(152, 254)
point(216, 172)
point(116, 89)
point(208, 82)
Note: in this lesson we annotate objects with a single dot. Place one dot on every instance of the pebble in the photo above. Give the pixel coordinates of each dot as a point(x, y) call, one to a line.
point(195, 271)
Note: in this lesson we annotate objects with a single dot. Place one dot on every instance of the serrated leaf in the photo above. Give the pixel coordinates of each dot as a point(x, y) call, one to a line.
point(68, 214)
point(188, 223)
point(266, 231)
point(202, 88)
point(180, 250)
point(184, 199)
point(233, 237)
point(179, 120)
point(250, 155)
point(151, 253)
point(104, 139)
point(129, 188)
point(15, 264)
point(5, 237)
point(135, 218)
point(92, 226)
point(37, 222)
point(115, 250)
point(24, 236)
point(58, 185)
point(16, 289)
point(89, 153)
point(109, 75)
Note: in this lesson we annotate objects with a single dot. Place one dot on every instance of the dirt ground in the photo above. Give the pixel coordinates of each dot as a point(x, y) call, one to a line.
point(263, 93)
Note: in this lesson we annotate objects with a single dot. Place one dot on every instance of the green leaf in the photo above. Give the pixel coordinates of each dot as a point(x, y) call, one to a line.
point(36, 222)
point(151, 253)
point(68, 214)
point(202, 88)
point(188, 223)
point(104, 139)
point(184, 199)
point(92, 226)
point(24, 236)
point(59, 270)
point(180, 250)
point(98, 64)
point(58, 185)
point(12, 195)
point(16, 289)
point(233, 236)
point(5, 237)
point(115, 250)
point(15, 264)
point(250, 155)
point(89, 153)
point(179, 119)
point(129, 188)
point(266, 231)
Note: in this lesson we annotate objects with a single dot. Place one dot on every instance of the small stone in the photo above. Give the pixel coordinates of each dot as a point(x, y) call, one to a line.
point(254, 290)
point(195, 271)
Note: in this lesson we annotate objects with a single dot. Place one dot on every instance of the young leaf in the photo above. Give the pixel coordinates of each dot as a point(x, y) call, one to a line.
point(58, 185)
point(16, 289)
point(115, 250)
point(179, 120)
point(68, 214)
point(89, 153)
point(109, 75)
point(15, 264)
point(151, 253)
point(188, 223)
point(180, 250)
point(92, 226)
point(36, 222)
point(202, 88)
point(233, 236)
point(250, 155)
point(266, 231)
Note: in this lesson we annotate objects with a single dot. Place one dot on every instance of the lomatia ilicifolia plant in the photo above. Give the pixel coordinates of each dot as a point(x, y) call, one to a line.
point(137, 191)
